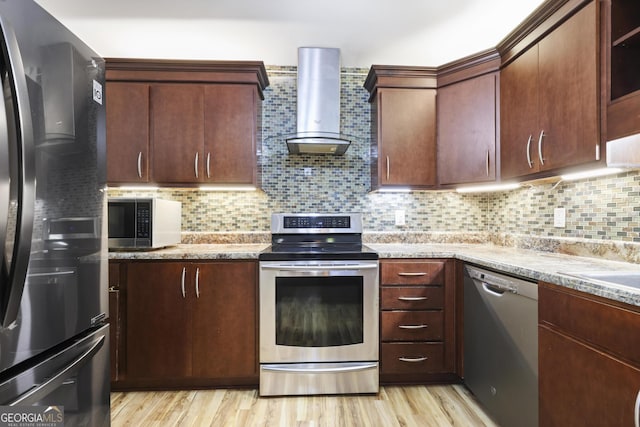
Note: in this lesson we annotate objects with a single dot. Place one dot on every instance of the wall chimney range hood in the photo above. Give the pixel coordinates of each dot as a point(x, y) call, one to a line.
point(318, 119)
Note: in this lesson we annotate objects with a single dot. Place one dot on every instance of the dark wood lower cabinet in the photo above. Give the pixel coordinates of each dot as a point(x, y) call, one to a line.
point(589, 364)
point(190, 325)
point(418, 321)
point(582, 386)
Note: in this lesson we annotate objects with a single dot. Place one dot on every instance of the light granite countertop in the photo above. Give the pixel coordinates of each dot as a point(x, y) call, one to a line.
point(199, 251)
point(534, 265)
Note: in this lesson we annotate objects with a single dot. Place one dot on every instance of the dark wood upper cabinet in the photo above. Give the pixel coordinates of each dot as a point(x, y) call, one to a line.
point(467, 111)
point(621, 46)
point(199, 119)
point(403, 129)
point(177, 131)
point(549, 100)
point(127, 132)
point(230, 123)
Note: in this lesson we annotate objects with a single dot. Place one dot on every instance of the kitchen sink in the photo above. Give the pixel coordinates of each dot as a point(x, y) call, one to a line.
point(622, 278)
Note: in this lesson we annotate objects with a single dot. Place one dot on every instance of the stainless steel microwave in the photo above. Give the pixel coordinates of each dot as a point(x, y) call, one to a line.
point(143, 223)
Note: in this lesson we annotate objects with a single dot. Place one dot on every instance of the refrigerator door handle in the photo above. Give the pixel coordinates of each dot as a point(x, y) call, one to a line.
point(5, 183)
point(39, 391)
point(26, 196)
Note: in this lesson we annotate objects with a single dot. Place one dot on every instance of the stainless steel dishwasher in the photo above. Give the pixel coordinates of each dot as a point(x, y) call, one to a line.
point(501, 345)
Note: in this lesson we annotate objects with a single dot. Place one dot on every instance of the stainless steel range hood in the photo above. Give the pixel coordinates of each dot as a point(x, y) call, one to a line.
point(318, 120)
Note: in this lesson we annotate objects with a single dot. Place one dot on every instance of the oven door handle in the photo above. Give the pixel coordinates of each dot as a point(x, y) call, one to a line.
point(317, 267)
point(300, 369)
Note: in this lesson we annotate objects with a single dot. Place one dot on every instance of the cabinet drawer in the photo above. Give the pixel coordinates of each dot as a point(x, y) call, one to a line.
point(412, 273)
point(411, 325)
point(594, 321)
point(407, 358)
point(412, 298)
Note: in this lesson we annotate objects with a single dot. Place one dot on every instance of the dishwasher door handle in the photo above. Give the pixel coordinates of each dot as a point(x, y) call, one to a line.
point(496, 290)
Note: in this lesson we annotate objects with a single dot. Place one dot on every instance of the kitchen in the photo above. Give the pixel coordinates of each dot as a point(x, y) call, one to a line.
point(601, 213)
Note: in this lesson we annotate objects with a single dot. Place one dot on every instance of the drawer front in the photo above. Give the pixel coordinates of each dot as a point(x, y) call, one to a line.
point(596, 322)
point(412, 298)
point(412, 273)
point(412, 325)
point(407, 358)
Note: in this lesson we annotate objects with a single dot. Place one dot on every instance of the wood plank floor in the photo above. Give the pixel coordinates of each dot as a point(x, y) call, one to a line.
point(439, 406)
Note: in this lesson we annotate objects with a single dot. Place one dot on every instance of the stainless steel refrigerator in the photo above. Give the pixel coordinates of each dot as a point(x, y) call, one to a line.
point(53, 279)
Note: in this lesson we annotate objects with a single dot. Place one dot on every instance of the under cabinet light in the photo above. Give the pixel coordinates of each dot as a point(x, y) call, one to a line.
point(591, 174)
point(135, 188)
point(393, 190)
point(488, 188)
point(227, 188)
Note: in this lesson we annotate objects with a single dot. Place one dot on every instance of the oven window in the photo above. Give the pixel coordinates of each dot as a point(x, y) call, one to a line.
point(319, 311)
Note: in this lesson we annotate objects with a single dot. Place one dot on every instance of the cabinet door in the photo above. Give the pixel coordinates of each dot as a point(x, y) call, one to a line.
point(519, 116)
point(177, 132)
point(568, 67)
point(467, 131)
point(159, 333)
point(127, 132)
point(581, 386)
point(224, 321)
point(407, 137)
point(230, 132)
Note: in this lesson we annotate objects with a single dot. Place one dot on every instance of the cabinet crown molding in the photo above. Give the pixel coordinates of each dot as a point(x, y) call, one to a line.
point(169, 70)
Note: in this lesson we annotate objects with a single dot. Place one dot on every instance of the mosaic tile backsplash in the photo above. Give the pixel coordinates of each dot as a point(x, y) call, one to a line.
point(598, 209)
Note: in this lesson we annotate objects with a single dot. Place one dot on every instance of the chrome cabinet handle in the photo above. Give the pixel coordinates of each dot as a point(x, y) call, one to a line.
point(487, 163)
point(388, 168)
point(140, 164)
point(416, 274)
point(413, 326)
point(413, 359)
point(184, 275)
point(412, 298)
point(195, 164)
point(529, 162)
point(540, 147)
point(198, 282)
point(636, 410)
point(208, 165)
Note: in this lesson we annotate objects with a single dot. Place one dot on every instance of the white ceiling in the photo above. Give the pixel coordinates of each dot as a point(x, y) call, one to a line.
point(390, 32)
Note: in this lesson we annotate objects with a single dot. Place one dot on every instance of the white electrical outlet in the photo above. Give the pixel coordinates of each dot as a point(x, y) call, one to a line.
point(400, 220)
point(559, 217)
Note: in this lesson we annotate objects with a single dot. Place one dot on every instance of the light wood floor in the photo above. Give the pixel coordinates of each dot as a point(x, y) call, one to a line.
point(446, 405)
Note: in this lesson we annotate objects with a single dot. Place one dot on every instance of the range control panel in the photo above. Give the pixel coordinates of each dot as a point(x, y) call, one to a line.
point(316, 223)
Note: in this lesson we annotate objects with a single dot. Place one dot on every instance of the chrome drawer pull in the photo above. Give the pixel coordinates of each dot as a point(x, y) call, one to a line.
point(412, 359)
point(413, 326)
point(412, 298)
point(413, 274)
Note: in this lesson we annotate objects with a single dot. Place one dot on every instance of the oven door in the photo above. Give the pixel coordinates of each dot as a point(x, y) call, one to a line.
point(318, 311)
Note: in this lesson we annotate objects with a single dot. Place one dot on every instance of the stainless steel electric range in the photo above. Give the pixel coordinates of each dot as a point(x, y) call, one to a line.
point(318, 307)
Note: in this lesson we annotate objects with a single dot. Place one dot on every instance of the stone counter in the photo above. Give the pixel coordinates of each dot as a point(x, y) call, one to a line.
point(195, 252)
point(534, 265)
